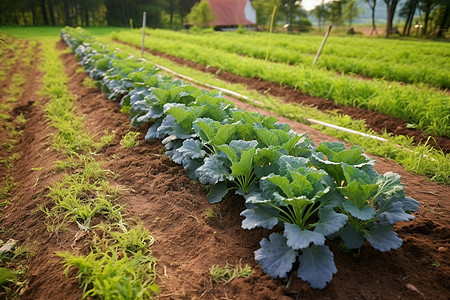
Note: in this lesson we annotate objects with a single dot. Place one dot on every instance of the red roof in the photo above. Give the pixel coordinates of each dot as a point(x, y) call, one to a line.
point(229, 12)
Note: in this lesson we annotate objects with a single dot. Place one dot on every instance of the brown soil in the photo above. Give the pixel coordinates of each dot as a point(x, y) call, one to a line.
point(377, 121)
point(187, 243)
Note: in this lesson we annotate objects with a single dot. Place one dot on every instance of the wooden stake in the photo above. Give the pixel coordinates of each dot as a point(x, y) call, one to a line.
point(270, 30)
point(321, 46)
point(143, 31)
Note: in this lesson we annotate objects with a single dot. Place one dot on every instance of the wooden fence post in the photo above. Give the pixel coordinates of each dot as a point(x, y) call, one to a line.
point(321, 46)
point(143, 31)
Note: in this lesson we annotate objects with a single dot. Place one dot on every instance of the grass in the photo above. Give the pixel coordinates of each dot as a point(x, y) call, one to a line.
point(414, 62)
point(119, 264)
point(229, 273)
point(129, 139)
point(43, 32)
point(213, 212)
point(89, 83)
point(13, 92)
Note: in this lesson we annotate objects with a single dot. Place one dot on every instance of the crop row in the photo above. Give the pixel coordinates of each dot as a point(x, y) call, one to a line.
point(313, 193)
point(409, 62)
point(425, 108)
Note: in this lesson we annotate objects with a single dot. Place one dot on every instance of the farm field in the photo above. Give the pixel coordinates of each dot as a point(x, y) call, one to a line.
point(394, 99)
point(409, 62)
point(408, 156)
point(186, 234)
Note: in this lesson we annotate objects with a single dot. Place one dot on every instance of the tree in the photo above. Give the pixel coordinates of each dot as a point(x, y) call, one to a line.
point(321, 13)
point(445, 19)
point(427, 7)
point(372, 4)
point(292, 11)
point(335, 15)
point(351, 11)
point(184, 7)
point(391, 5)
point(407, 11)
point(264, 9)
point(201, 14)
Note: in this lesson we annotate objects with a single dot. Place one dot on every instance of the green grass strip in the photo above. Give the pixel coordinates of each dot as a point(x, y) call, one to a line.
point(119, 264)
point(409, 62)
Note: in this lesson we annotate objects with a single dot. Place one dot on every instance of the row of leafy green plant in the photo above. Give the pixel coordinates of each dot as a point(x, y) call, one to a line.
point(118, 263)
point(424, 108)
point(409, 62)
point(311, 193)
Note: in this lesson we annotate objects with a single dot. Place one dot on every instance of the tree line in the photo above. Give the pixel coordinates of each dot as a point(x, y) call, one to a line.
point(160, 13)
point(433, 19)
point(435, 14)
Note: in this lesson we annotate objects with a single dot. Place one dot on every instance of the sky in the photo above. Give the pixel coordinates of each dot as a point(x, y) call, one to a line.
point(310, 4)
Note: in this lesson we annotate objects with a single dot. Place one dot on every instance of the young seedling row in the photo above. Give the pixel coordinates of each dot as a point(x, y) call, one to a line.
point(310, 193)
point(388, 59)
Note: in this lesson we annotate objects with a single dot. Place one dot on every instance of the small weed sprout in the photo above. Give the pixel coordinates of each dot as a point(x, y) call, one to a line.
point(89, 83)
point(228, 273)
point(21, 119)
point(213, 213)
point(129, 139)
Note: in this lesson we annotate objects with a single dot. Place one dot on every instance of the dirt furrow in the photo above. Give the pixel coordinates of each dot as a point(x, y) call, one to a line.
point(23, 220)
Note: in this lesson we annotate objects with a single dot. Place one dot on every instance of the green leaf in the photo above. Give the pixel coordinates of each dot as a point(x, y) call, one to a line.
point(298, 238)
point(383, 237)
point(244, 166)
point(389, 185)
point(191, 149)
point(363, 213)
point(275, 256)
point(217, 192)
point(317, 266)
point(230, 152)
point(267, 137)
point(6, 276)
point(289, 145)
point(359, 194)
point(260, 216)
point(205, 131)
point(212, 171)
point(392, 212)
point(265, 156)
point(300, 185)
point(224, 134)
point(288, 163)
point(281, 182)
point(352, 238)
point(329, 221)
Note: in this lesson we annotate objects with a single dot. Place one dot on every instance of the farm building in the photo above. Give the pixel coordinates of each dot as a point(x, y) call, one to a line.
point(232, 13)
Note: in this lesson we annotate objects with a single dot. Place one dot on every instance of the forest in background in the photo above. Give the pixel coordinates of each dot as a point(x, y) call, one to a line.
point(433, 20)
